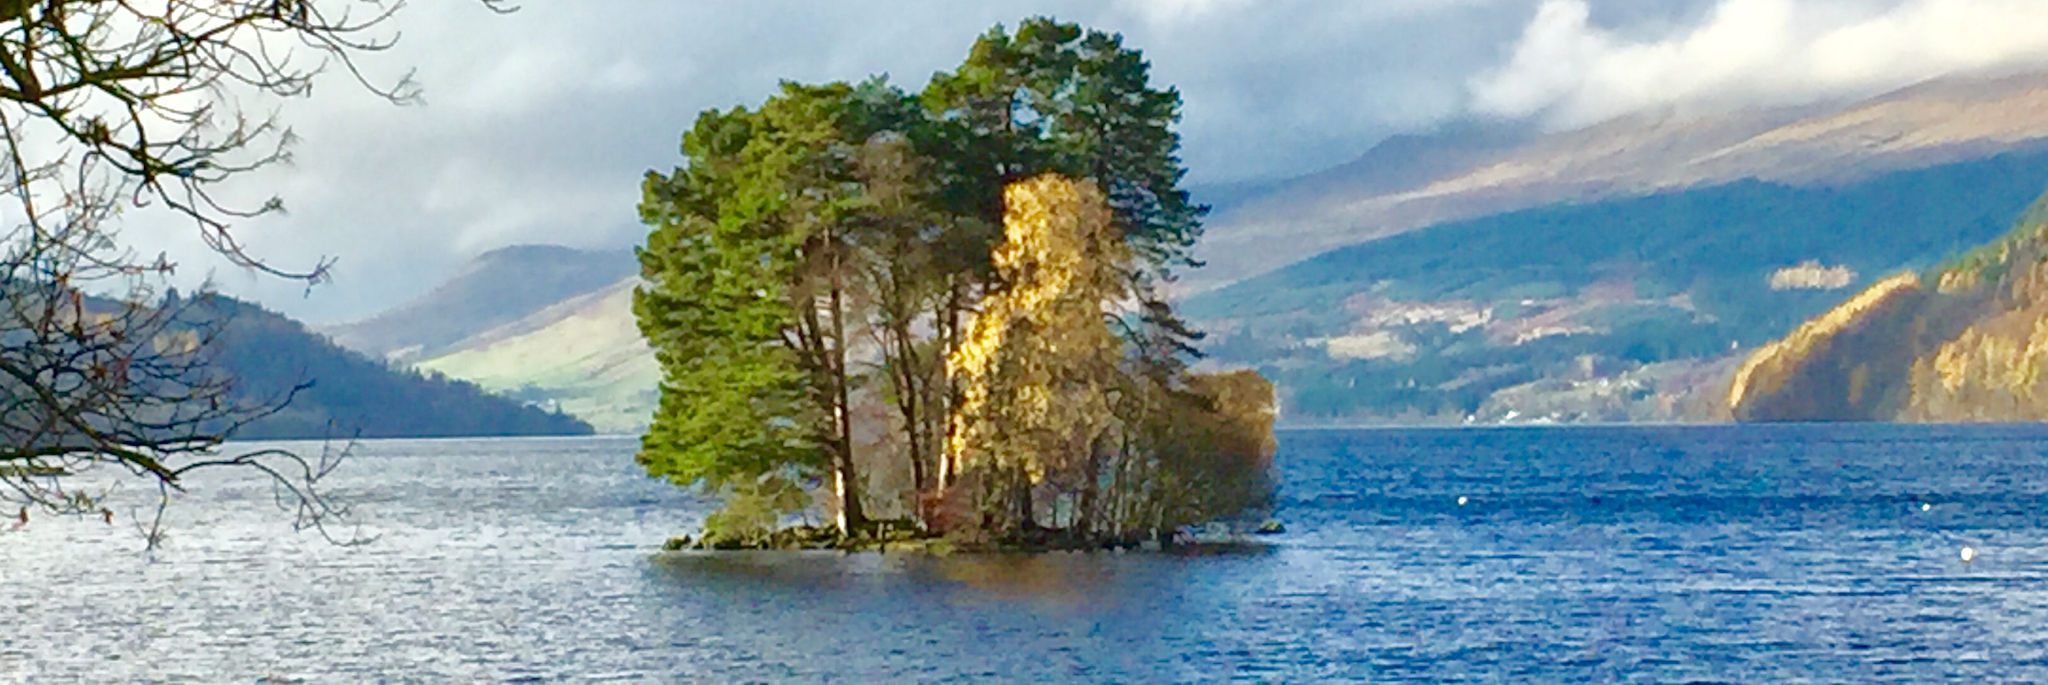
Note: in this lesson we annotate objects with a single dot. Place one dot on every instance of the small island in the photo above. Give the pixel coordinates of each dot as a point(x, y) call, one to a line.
point(941, 318)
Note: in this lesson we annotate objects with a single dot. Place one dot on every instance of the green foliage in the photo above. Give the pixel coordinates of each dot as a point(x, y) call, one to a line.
point(1992, 261)
point(754, 509)
point(1059, 98)
point(834, 215)
point(714, 310)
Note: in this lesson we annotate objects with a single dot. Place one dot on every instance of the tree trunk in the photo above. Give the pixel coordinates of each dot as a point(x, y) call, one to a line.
point(1025, 515)
point(1084, 519)
point(949, 331)
point(845, 478)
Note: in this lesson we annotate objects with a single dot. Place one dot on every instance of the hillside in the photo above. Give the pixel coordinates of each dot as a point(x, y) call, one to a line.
point(583, 355)
point(1623, 310)
point(352, 395)
point(1964, 342)
point(497, 288)
point(1471, 171)
point(1613, 273)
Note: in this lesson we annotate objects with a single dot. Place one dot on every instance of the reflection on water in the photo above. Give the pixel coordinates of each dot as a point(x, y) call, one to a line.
point(1094, 581)
point(1721, 554)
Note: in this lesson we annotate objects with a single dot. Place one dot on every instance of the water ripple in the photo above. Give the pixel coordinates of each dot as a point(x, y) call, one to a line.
point(1737, 554)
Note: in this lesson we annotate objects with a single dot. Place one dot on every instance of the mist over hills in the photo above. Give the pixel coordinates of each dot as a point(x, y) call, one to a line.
point(583, 355)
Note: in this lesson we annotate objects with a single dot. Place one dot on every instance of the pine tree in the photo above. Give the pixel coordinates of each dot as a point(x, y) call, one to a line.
point(969, 255)
point(733, 405)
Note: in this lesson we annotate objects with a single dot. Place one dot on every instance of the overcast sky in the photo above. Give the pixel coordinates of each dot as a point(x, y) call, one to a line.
point(539, 125)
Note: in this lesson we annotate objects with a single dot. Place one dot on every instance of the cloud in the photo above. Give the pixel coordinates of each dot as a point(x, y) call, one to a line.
point(1570, 71)
point(538, 126)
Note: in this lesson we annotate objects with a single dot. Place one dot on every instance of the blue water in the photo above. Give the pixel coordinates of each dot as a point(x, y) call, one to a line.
point(1738, 554)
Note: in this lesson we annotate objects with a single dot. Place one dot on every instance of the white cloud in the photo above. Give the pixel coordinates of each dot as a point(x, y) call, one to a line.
point(1571, 71)
point(1170, 11)
point(539, 125)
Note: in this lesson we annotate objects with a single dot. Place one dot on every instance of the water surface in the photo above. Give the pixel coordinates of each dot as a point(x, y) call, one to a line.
point(1740, 554)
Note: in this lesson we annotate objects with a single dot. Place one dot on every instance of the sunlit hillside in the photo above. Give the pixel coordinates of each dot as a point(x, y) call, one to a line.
point(583, 355)
point(1964, 342)
point(1411, 182)
point(1603, 311)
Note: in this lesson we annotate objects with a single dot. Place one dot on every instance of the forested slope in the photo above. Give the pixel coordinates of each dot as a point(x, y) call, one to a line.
point(1627, 302)
point(346, 393)
point(1967, 341)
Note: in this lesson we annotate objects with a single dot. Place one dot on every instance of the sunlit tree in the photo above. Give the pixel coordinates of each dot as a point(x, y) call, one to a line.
point(987, 257)
point(1039, 359)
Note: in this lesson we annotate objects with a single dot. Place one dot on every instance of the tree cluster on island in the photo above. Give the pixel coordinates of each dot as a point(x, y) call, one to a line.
point(964, 284)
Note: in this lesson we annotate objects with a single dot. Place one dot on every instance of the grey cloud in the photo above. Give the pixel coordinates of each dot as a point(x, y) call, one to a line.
point(539, 125)
point(1571, 71)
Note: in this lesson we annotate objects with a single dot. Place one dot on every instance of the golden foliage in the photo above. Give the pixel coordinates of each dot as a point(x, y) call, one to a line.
point(1035, 363)
point(1974, 349)
point(1985, 376)
point(1772, 365)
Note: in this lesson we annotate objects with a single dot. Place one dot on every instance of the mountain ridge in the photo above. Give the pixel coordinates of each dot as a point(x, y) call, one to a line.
point(1428, 183)
point(495, 288)
point(1967, 341)
point(1935, 122)
point(583, 355)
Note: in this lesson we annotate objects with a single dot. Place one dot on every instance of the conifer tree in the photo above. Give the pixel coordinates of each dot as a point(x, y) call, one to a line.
point(993, 249)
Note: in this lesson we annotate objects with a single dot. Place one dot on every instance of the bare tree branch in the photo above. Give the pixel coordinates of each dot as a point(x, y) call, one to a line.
point(112, 104)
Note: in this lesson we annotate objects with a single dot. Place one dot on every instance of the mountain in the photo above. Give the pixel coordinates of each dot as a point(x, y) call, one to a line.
point(1476, 170)
point(497, 288)
point(351, 395)
point(583, 355)
point(1964, 342)
point(1618, 310)
point(1484, 271)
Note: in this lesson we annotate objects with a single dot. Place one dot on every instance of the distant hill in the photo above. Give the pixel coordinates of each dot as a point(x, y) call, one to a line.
point(584, 355)
point(540, 324)
point(1967, 341)
point(497, 288)
point(1475, 170)
point(1616, 310)
point(352, 395)
point(1484, 270)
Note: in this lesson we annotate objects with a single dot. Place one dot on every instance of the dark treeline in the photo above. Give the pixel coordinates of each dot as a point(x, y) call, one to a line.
point(946, 306)
point(344, 394)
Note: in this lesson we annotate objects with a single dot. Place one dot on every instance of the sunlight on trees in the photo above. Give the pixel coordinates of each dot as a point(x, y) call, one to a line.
point(1035, 365)
point(975, 274)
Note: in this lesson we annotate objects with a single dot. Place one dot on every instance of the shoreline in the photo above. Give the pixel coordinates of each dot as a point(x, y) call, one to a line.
point(911, 541)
